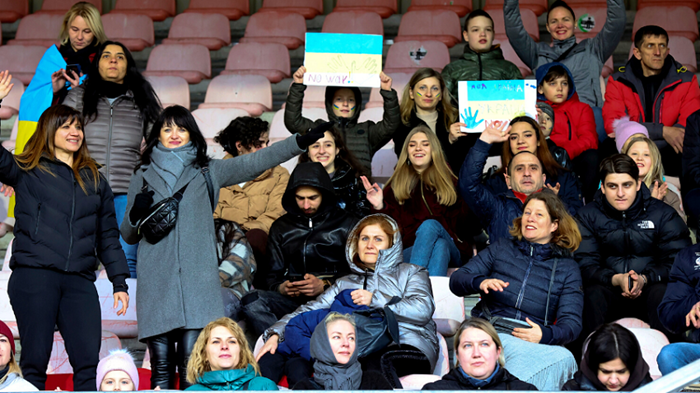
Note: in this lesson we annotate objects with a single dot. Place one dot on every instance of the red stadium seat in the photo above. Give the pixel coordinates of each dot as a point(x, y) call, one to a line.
point(286, 28)
point(314, 97)
point(21, 61)
point(134, 31)
point(38, 30)
point(11, 10)
point(460, 7)
point(252, 93)
point(353, 22)
point(60, 7)
point(213, 120)
point(171, 90)
point(10, 104)
point(694, 4)
point(232, 9)
point(590, 20)
point(157, 10)
point(529, 21)
point(679, 21)
point(210, 30)
point(439, 25)
point(189, 61)
point(539, 7)
point(270, 60)
point(309, 9)
point(510, 55)
point(398, 83)
point(385, 8)
point(408, 56)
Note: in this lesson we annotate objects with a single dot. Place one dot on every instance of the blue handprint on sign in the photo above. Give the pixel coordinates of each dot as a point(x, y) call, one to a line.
point(469, 120)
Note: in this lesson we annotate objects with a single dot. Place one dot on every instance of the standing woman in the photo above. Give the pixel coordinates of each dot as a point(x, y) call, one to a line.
point(119, 105)
point(421, 196)
point(179, 290)
point(65, 227)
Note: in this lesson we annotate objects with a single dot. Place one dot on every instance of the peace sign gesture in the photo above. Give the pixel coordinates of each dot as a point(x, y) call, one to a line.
point(375, 195)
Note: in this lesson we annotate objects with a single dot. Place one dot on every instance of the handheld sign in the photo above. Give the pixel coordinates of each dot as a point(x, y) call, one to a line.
point(495, 100)
point(343, 59)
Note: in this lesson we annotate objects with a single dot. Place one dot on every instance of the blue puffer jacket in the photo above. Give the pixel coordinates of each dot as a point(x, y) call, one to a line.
point(527, 267)
point(496, 212)
point(683, 291)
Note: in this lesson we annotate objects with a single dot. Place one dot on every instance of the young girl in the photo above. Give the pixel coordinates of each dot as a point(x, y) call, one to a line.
point(117, 372)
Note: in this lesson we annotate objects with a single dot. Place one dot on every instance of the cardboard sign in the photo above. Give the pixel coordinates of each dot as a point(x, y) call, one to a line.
point(481, 101)
point(343, 59)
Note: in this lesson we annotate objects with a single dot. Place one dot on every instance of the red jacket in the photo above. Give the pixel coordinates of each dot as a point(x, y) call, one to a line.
point(574, 126)
point(678, 97)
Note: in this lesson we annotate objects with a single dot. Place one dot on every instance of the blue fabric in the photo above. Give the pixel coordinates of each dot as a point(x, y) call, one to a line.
point(674, 356)
point(130, 250)
point(599, 123)
point(433, 249)
point(232, 380)
point(480, 382)
point(683, 290)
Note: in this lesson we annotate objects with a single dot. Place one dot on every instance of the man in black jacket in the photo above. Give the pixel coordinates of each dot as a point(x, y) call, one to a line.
point(306, 247)
point(630, 240)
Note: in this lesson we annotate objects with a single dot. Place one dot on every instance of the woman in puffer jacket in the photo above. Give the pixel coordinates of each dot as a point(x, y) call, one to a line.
point(374, 252)
point(527, 283)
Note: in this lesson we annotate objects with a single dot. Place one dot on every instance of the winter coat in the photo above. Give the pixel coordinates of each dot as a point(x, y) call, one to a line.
point(585, 61)
point(560, 155)
point(236, 270)
point(455, 380)
point(371, 380)
point(683, 290)
point(677, 98)
point(349, 191)
point(528, 268)
point(60, 227)
point(690, 176)
point(362, 139)
point(114, 137)
point(256, 204)
point(390, 278)
point(233, 380)
point(495, 211)
point(479, 67)
point(178, 276)
point(581, 383)
point(299, 244)
point(15, 383)
point(644, 238)
point(574, 123)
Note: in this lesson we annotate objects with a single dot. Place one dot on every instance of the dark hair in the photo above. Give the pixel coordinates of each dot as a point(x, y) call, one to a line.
point(145, 97)
point(246, 130)
point(510, 170)
point(567, 234)
point(549, 164)
point(612, 341)
point(618, 163)
point(182, 117)
point(651, 30)
point(555, 72)
point(477, 13)
point(560, 3)
point(343, 154)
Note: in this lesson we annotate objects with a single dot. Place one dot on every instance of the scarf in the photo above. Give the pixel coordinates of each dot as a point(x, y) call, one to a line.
point(110, 89)
point(327, 371)
point(169, 163)
point(83, 56)
point(480, 383)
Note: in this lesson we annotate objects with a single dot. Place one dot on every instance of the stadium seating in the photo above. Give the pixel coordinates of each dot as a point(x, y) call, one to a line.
point(10, 104)
point(172, 90)
point(650, 340)
point(694, 4)
point(353, 22)
point(41, 29)
point(21, 61)
point(440, 25)
point(587, 3)
point(510, 55)
point(60, 7)
point(537, 6)
point(11, 10)
point(285, 28)
point(232, 9)
point(383, 161)
point(460, 7)
point(449, 308)
point(682, 50)
point(529, 21)
point(398, 83)
point(270, 60)
point(251, 93)
point(134, 31)
point(189, 61)
point(408, 56)
point(212, 120)
point(314, 97)
point(210, 30)
point(385, 8)
point(278, 131)
point(679, 21)
point(309, 9)
point(589, 20)
point(157, 10)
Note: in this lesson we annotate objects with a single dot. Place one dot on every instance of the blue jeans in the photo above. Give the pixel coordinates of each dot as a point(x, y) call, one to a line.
point(674, 356)
point(433, 249)
point(599, 123)
point(129, 249)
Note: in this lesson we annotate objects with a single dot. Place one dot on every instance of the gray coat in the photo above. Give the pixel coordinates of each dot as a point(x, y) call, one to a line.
point(114, 137)
point(178, 277)
point(391, 278)
point(585, 62)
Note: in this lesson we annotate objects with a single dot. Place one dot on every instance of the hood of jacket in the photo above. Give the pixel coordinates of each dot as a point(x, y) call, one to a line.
point(542, 71)
point(310, 174)
point(541, 252)
point(349, 121)
point(388, 259)
point(638, 375)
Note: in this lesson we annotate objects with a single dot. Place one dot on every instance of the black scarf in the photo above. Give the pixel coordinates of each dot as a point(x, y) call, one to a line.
point(4, 371)
point(83, 56)
point(111, 89)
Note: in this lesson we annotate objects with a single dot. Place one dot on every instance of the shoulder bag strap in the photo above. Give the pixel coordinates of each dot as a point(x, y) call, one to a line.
point(210, 186)
point(549, 291)
point(563, 55)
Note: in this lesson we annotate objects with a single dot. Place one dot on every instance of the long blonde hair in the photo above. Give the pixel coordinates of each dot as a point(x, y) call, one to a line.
point(408, 105)
point(92, 18)
point(199, 362)
point(437, 177)
point(13, 368)
point(656, 172)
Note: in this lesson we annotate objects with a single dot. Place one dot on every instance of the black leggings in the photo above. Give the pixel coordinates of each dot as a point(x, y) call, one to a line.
point(165, 357)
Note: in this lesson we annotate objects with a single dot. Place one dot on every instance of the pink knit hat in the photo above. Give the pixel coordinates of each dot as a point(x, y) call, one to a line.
point(624, 129)
point(121, 360)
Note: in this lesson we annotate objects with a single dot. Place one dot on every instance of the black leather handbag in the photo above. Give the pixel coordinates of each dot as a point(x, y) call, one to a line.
point(376, 329)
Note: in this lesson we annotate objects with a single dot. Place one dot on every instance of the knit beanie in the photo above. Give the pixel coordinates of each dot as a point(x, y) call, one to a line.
point(120, 360)
point(624, 129)
point(5, 331)
point(547, 109)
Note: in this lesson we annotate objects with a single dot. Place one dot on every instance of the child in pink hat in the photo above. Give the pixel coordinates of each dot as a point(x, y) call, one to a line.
point(117, 372)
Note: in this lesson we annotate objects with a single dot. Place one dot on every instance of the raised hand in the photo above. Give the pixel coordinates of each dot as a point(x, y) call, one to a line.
point(375, 195)
point(554, 189)
point(495, 131)
point(693, 317)
point(659, 191)
point(469, 119)
point(5, 85)
point(456, 132)
point(385, 81)
point(299, 75)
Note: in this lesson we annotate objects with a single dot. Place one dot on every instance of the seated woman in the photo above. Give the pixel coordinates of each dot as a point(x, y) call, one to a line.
point(10, 374)
point(336, 366)
point(344, 170)
point(222, 360)
point(374, 253)
point(480, 362)
point(612, 362)
point(421, 195)
point(117, 372)
point(526, 284)
point(525, 135)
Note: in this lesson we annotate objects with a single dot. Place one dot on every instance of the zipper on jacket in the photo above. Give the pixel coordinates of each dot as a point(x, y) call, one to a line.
point(661, 91)
point(303, 253)
point(109, 141)
point(72, 216)
point(568, 121)
point(624, 226)
point(38, 217)
point(521, 295)
point(424, 201)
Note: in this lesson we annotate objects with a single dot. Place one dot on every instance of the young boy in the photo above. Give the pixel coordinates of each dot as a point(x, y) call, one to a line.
point(481, 60)
point(545, 118)
point(574, 125)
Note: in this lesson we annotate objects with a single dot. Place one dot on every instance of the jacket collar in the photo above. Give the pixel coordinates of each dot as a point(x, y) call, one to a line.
point(227, 379)
point(495, 53)
point(638, 206)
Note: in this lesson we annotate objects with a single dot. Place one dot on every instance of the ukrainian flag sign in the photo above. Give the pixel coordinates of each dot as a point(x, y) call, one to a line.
point(499, 100)
point(343, 59)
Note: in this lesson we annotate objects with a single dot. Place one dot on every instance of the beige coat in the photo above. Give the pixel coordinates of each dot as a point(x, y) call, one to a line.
point(258, 203)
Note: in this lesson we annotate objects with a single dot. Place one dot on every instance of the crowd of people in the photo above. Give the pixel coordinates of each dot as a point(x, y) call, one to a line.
point(330, 268)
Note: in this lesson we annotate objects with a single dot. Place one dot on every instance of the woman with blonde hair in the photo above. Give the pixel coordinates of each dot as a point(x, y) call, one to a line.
point(10, 374)
point(527, 283)
point(421, 195)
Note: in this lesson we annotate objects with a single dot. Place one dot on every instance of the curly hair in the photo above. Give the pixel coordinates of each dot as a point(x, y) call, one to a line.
point(246, 130)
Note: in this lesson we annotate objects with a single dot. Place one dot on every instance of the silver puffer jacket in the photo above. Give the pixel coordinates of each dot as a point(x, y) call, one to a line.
point(114, 137)
point(391, 278)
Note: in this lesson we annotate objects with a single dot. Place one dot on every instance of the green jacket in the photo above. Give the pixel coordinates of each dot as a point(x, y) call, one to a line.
point(233, 380)
point(479, 67)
